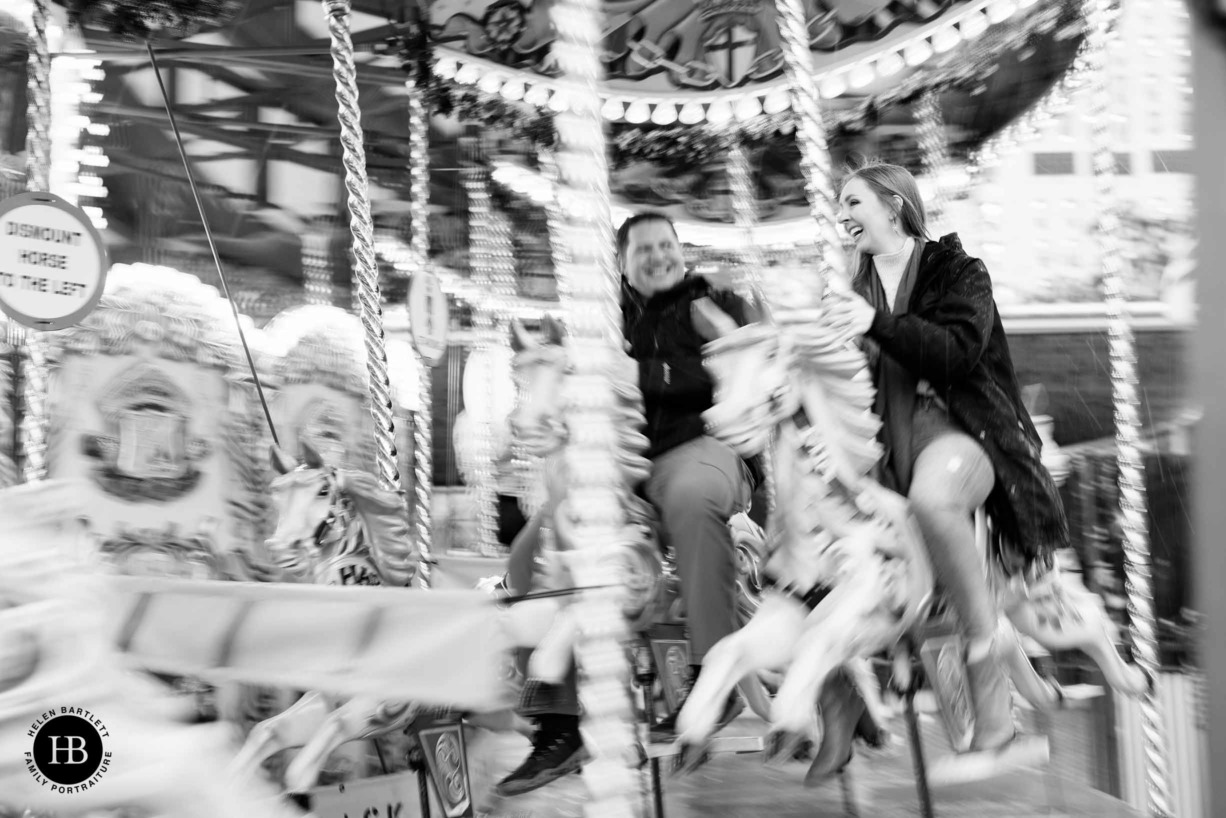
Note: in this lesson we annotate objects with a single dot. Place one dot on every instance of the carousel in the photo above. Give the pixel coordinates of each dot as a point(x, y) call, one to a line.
point(362, 314)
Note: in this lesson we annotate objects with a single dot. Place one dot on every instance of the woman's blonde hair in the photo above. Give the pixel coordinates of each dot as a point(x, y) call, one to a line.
point(888, 181)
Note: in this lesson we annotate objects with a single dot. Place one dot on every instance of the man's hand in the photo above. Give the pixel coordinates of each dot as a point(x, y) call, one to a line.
point(710, 321)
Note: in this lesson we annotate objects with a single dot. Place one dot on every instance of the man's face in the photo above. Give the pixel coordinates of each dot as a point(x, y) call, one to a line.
point(652, 261)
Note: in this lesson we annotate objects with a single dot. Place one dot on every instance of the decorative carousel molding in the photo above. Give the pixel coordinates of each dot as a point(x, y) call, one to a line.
point(726, 107)
point(158, 313)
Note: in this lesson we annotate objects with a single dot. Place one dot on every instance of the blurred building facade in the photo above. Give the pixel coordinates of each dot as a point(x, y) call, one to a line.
point(1035, 213)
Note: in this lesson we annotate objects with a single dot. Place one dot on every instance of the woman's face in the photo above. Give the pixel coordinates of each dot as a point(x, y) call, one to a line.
point(868, 219)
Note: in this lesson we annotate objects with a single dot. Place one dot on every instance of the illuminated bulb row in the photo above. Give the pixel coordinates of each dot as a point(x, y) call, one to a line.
point(723, 108)
point(74, 168)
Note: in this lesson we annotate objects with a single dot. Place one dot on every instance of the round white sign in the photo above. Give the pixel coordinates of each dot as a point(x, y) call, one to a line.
point(428, 317)
point(52, 261)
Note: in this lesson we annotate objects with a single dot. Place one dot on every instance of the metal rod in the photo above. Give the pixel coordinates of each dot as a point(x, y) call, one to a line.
point(208, 234)
point(208, 52)
point(917, 751)
point(34, 422)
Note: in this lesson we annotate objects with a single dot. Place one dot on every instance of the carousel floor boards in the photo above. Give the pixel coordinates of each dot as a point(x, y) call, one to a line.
point(739, 786)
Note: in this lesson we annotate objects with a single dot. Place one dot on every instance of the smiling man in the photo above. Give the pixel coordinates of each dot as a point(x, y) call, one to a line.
point(697, 483)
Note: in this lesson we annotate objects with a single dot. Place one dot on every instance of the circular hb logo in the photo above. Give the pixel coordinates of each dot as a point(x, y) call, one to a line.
point(68, 750)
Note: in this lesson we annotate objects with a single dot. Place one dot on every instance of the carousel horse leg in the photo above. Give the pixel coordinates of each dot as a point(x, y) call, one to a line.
point(292, 727)
point(1060, 614)
point(765, 642)
point(551, 660)
point(527, 623)
point(1040, 692)
point(359, 718)
point(848, 623)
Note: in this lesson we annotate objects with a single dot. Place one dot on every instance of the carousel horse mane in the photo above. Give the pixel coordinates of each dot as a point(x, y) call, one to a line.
point(377, 513)
point(383, 511)
point(540, 413)
point(838, 398)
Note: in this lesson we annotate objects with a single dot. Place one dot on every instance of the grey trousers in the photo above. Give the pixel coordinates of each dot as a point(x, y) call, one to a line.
point(696, 487)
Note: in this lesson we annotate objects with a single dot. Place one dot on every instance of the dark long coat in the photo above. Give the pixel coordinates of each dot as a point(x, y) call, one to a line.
point(951, 336)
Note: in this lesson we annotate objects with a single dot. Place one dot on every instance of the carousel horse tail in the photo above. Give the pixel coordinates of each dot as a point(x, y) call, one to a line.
point(1059, 613)
point(359, 718)
point(292, 727)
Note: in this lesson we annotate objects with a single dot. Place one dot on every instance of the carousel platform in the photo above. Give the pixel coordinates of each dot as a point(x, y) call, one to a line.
point(878, 783)
point(739, 785)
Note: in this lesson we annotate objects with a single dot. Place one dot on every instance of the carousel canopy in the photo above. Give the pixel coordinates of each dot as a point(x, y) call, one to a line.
point(253, 89)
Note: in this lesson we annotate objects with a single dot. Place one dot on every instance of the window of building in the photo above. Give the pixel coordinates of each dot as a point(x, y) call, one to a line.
point(1123, 163)
point(1172, 161)
point(1053, 164)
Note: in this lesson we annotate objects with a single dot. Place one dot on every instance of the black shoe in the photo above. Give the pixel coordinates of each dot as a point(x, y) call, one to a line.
point(556, 751)
point(841, 708)
point(666, 728)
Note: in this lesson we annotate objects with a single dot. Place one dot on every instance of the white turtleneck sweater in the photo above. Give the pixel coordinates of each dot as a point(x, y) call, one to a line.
point(891, 267)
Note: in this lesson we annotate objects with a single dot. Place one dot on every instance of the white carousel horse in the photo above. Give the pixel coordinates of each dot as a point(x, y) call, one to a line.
point(334, 527)
point(847, 560)
point(56, 650)
point(538, 424)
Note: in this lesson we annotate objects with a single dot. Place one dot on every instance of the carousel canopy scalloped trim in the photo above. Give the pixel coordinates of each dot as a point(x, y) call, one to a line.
point(725, 107)
point(701, 142)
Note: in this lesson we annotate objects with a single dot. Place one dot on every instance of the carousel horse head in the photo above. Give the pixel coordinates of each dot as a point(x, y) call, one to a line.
point(538, 422)
point(338, 526)
point(801, 386)
point(540, 370)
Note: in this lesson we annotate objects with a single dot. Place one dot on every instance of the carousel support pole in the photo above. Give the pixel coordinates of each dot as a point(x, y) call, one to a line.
point(423, 418)
point(931, 124)
point(749, 278)
point(811, 135)
point(366, 270)
point(34, 420)
point(1133, 505)
point(588, 286)
point(482, 256)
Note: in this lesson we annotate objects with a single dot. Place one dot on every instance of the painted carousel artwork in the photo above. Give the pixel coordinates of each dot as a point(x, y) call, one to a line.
point(149, 402)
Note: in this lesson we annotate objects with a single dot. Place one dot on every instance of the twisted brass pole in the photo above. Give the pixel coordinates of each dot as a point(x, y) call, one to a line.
point(589, 289)
point(34, 420)
point(1137, 578)
point(423, 419)
point(931, 126)
point(366, 270)
point(749, 278)
point(481, 254)
point(811, 136)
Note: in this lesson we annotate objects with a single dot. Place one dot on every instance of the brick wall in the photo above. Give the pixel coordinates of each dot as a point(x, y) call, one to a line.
point(1075, 368)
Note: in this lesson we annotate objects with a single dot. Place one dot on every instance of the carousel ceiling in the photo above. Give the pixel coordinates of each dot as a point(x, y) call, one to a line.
point(681, 75)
